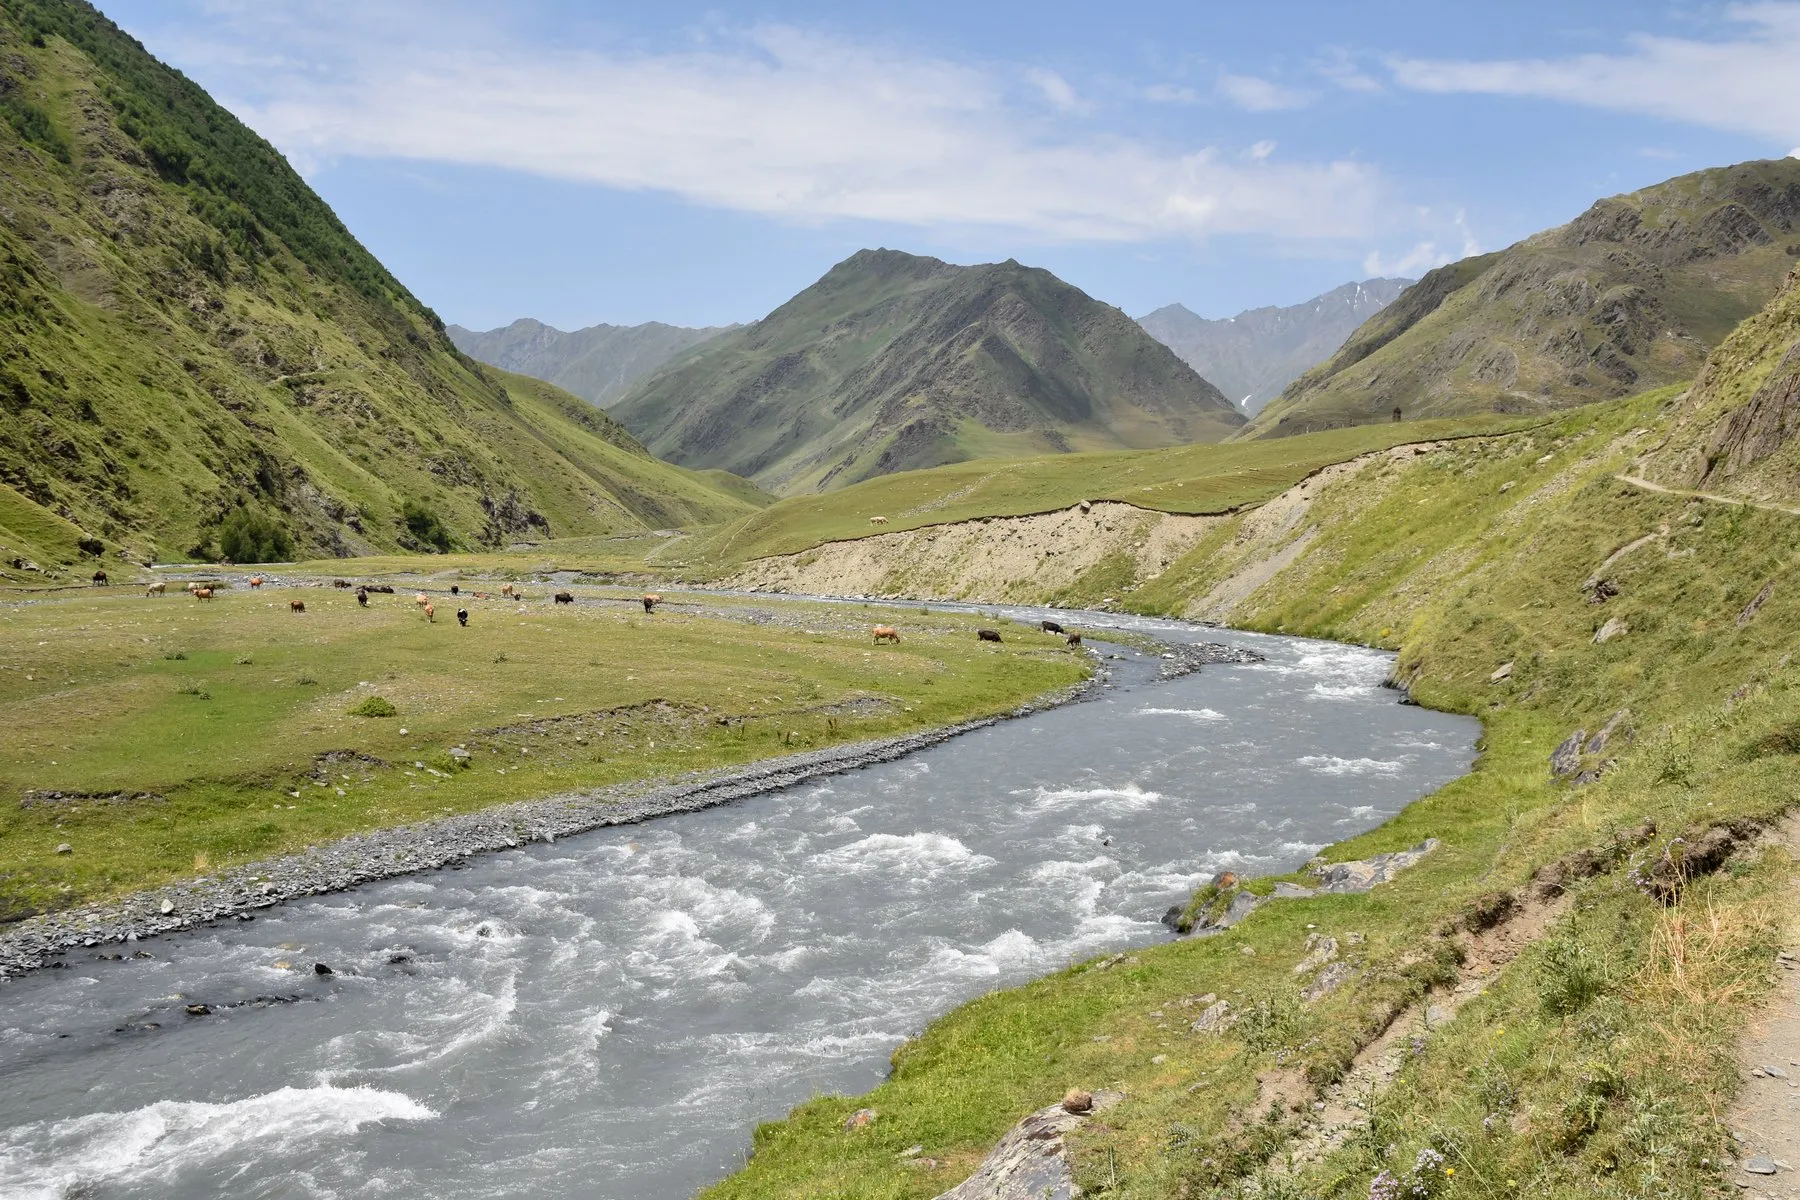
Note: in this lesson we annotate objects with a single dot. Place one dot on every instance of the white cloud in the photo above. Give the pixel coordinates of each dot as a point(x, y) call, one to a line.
point(1255, 94)
point(1260, 150)
point(773, 119)
point(1424, 255)
point(1746, 84)
point(1342, 69)
point(1168, 93)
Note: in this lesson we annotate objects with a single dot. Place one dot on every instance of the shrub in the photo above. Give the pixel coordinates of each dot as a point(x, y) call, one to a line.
point(374, 706)
point(424, 525)
point(251, 537)
point(1572, 977)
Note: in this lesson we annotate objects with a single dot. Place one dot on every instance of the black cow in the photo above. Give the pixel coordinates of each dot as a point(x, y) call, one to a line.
point(1052, 627)
point(988, 635)
point(563, 598)
point(362, 597)
point(99, 578)
point(462, 617)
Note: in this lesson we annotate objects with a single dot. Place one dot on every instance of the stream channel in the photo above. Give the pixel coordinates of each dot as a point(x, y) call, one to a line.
point(608, 1016)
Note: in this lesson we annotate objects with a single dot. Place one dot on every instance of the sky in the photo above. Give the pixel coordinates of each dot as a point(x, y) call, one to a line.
point(700, 163)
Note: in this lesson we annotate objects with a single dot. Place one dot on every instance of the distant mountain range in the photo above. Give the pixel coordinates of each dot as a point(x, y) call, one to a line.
point(1251, 357)
point(893, 361)
point(1629, 295)
point(597, 363)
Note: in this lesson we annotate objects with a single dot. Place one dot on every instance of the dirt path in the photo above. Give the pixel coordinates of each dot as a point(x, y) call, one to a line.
point(1711, 497)
point(1766, 1119)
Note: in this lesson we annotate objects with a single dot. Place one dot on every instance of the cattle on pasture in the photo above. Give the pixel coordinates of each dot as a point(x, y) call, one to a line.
point(988, 635)
point(1052, 627)
point(455, 590)
point(155, 589)
point(651, 600)
point(340, 583)
point(431, 612)
point(296, 606)
point(257, 581)
point(878, 520)
point(384, 589)
point(507, 589)
point(362, 597)
point(462, 617)
point(1074, 639)
point(100, 579)
point(563, 598)
point(203, 593)
point(421, 599)
point(887, 633)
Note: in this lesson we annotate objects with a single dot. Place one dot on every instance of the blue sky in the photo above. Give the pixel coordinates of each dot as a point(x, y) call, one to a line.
point(699, 163)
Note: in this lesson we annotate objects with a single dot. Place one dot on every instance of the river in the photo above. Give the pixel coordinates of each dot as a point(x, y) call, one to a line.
point(608, 1016)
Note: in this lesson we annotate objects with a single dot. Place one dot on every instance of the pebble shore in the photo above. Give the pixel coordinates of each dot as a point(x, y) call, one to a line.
point(41, 941)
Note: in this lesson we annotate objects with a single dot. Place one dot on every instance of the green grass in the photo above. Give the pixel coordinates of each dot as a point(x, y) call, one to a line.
point(1607, 1046)
point(1182, 479)
point(221, 710)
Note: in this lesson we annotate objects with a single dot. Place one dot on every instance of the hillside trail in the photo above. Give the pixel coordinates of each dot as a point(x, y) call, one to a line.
point(1765, 1121)
point(1638, 481)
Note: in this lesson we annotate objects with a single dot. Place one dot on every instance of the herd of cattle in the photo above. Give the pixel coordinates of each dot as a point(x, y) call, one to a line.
point(205, 591)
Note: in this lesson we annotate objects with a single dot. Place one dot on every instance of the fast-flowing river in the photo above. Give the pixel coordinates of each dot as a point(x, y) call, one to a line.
point(609, 1016)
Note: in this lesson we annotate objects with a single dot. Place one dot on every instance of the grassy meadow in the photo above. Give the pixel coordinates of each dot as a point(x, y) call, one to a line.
point(185, 735)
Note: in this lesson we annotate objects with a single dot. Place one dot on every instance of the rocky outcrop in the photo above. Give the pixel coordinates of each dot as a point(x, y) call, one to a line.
point(1031, 1162)
point(1227, 900)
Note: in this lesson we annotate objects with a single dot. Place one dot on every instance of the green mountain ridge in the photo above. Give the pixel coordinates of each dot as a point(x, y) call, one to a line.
point(190, 331)
point(598, 363)
point(1630, 295)
point(895, 361)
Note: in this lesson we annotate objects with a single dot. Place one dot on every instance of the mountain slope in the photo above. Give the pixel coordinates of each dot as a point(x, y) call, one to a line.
point(1251, 357)
point(188, 331)
point(597, 363)
point(894, 361)
point(1630, 295)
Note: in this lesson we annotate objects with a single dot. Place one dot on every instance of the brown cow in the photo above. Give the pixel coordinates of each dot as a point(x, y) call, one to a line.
point(507, 589)
point(1074, 639)
point(256, 581)
point(203, 593)
point(887, 633)
point(988, 635)
point(296, 606)
point(431, 612)
point(651, 600)
point(340, 583)
point(563, 598)
point(99, 578)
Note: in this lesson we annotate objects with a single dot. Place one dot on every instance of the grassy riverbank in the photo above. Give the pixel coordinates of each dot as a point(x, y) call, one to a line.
point(185, 736)
point(1588, 1050)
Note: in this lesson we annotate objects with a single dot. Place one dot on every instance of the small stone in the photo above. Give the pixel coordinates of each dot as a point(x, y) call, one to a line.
point(1247, 951)
point(912, 1152)
point(65, 848)
point(166, 907)
point(1077, 1101)
point(1759, 1164)
point(860, 1119)
point(198, 1010)
point(1503, 671)
point(1777, 1072)
point(1158, 1060)
point(322, 969)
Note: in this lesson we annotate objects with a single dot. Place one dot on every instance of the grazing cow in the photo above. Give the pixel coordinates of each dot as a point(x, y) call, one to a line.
point(1074, 639)
point(155, 589)
point(99, 578)
point(878, 520)
point(362, 597)
point(256, 581)
point(481, 595)
point(988, 635)
point(1052, 627)
point(455, 590)
point(563, 598)
point(203, 593)
point(384, 589)
point(431, 612)
point(340, 583)
point(421, 599)
point(507, 589)
point(651, 601)
point(296, 606)
point(887, 633)
point(462, 617)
